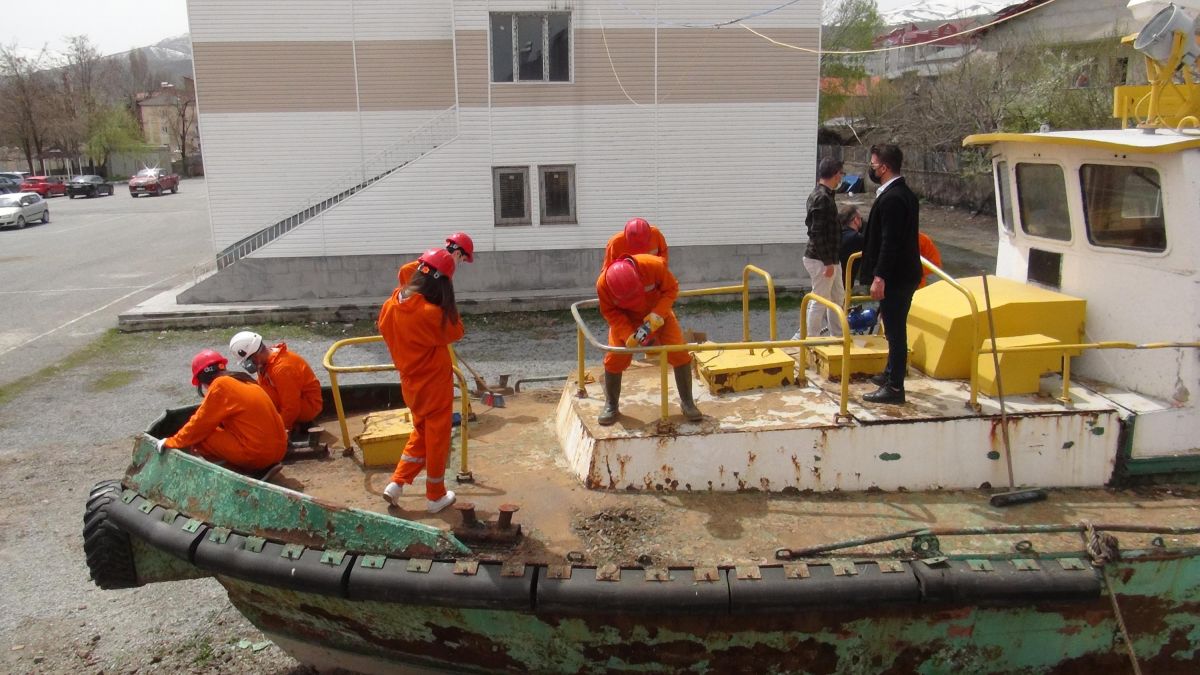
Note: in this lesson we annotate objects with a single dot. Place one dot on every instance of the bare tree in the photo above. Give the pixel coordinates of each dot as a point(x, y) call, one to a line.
point(24, 99)
point(849, 25)
point(182, 120)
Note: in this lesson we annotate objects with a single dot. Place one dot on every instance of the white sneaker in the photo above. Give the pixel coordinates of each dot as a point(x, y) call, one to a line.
point(392, 493)
point(434, 506)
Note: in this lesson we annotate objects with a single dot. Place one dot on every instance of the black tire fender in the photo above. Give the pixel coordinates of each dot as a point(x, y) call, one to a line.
point(109, 553)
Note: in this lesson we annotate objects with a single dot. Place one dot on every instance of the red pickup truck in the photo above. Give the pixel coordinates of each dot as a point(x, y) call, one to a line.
point(153, 182)
point(45, 186)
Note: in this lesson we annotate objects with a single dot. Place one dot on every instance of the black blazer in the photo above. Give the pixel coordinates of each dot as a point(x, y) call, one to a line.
point(891, 250)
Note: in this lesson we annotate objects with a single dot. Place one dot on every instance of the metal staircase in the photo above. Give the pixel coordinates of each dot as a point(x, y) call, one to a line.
point(435, 133)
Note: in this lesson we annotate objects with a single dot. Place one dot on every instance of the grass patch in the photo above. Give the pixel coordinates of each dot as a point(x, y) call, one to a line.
point(113, 380)
point(108, 343)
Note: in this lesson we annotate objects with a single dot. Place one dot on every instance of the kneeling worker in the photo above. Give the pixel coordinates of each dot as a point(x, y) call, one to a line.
point(236, 424)
point(638, 236)
point(458, 245)
point(636, 295)
point(286, 377)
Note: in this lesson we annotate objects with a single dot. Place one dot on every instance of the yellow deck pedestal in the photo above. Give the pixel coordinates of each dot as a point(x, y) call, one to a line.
point(384, 436)
point(868, 356)
point(744, 369)
point(1021, 371)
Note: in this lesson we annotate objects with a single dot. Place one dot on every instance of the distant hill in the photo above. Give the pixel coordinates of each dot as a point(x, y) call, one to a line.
point(172, 57)
point(945, 10)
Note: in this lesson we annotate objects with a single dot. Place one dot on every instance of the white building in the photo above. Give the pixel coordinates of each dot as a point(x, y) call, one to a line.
point(343, 137)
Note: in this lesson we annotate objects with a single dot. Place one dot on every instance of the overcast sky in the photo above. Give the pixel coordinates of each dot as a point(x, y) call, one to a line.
point(118, 25)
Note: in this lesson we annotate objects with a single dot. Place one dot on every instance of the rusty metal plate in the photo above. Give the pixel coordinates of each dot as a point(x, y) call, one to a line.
point(192, 526)
point(609, 572)
point(748, 572)
point(1026, 565)
point(512, 569)
point(255, 544)
point(169, 515)
point(292, 551)
point(980, 565)
point(374, 562)
point(558, 571)
point(890, 566)
point(935, 561)
point(843, 568)
point(128, 496)
point(466, 568)
point(420, 565)
point(705, 574)
point(658, 574)
point(1072, 564)
point(796, 571)
point(219, 535)
point(333, 558)
point(146, 507)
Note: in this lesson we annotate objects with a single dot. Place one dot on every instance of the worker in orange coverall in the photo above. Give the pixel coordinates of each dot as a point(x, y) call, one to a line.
point(638, 292)
point(638, 236)
point(286, 377)
point(418, 322)
point(928, 252)
point(458, 244)
point(237, 423)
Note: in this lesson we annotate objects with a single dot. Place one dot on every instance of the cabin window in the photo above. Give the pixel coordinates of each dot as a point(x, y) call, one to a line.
point(557, 185)
point(1042, 201)
point(1004, 190)
point(510, 193)
point(1122, 206)
point(531, 47)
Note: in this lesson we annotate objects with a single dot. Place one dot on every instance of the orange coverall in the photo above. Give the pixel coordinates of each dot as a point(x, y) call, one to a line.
point(292, 386)
point(237, 423)
point(661, 290)
point(617, 247)
point(406, 272)
point(928, 252)
point(416, 339)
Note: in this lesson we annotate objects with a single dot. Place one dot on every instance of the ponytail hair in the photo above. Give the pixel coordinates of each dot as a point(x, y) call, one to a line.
point(439, 291)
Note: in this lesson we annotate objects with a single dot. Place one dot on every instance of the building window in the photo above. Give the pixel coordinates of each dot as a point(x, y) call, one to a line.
point(557, 185)
point(1042, 201)
point(1122, 206)
point(510, 189)
point(531, 47)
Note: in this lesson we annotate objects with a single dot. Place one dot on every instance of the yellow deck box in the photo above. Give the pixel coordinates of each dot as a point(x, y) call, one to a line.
point(1021, 371)
point(732, 370)
point(868, 356)
point(384, 436)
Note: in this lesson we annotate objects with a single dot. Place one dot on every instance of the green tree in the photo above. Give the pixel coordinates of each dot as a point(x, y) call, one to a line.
point(113, 129)
point(849, 25)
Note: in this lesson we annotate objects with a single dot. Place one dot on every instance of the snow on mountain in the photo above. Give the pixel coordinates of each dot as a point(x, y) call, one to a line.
point(945, 10)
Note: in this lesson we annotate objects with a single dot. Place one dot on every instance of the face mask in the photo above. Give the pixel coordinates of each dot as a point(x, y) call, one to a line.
point(250, 366)
point(873, 176)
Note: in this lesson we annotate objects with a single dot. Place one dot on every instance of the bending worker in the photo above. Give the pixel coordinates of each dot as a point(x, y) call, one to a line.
point(458, 245)
point(418, 322)
point(636, 294)
point(236, 423)
point(638, 236)
point(286, 377)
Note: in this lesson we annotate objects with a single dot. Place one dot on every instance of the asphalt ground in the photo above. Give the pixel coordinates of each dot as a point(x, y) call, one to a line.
point(63, 284)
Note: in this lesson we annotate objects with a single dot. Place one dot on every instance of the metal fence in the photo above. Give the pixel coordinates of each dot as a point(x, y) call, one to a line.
point(962, 178)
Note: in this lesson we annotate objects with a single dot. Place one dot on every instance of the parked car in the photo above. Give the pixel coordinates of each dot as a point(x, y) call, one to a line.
point(21, 208)
point(46, 186)
point(153, 182)
point(8, 185)
point(88, 186)
point(15, 175)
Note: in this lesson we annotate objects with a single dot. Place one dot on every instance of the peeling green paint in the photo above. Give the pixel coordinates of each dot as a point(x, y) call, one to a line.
point(1097, 431)
point(1068, 445)
point(889, 456)
point(993, 454)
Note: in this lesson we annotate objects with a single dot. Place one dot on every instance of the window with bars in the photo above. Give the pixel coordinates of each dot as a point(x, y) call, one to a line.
point(557, 184)
point(531, 47)
point(510, 190)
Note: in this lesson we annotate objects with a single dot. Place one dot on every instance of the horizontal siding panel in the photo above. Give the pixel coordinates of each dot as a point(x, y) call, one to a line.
point(393, 20)
point(274, 77)
point(473, 14)
point(269, 20)
point(405, 75)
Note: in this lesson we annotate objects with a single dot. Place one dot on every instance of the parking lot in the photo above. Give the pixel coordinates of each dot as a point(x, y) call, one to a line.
point(63, 283)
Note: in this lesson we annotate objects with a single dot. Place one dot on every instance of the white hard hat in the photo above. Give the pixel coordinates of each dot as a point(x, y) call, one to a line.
point(245, 344)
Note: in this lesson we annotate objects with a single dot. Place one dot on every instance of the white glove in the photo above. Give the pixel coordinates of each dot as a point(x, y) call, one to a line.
point(161, 445)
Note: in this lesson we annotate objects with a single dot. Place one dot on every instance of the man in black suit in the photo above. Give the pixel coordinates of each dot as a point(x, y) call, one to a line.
point(891, 264)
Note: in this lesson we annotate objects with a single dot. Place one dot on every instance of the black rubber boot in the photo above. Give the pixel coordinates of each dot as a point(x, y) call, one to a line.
point(612, 399)
point(683, 382)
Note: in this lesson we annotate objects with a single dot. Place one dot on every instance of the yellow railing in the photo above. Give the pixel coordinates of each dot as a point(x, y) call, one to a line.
point(337, 394)
point(584, 336)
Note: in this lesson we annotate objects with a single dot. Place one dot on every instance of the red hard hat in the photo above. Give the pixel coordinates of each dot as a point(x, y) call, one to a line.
point(623, 281)
point(439, 261)
point(205, 360)
point(463, 241)
point(637, 235)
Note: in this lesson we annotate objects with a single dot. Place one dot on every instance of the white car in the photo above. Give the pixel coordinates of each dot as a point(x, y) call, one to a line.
point(20, 208)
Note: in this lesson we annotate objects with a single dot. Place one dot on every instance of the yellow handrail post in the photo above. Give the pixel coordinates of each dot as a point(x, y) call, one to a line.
point(802, 362)
point(746, 304)
point(848, 280)
point(844, 404)
point(580, 389)
point(464, 474)
point(746, 271)
point(337, 405)
point(846, 340)
point(1066, 378)
point(975, 328)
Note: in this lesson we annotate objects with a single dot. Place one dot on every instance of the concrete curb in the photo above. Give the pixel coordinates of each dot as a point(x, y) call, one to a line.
point(162, 312)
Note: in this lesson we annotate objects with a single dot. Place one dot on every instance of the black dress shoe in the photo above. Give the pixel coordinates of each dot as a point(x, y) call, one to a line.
point(885, 394)
point(880, 379)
